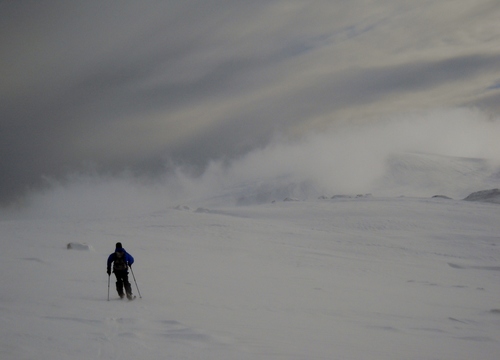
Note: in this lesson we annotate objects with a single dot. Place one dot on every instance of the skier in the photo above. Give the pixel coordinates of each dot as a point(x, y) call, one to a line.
point(121, 261)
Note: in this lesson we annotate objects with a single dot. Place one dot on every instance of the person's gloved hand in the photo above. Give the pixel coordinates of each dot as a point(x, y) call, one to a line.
point(109, 272)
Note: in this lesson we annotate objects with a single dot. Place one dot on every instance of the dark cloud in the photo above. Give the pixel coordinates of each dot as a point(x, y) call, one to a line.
point(373, 84)
point(139, 85)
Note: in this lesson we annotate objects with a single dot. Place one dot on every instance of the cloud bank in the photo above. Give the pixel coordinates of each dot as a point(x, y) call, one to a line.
point(451, 152)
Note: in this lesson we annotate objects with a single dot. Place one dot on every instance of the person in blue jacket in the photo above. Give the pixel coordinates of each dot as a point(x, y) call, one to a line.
point(121, 260)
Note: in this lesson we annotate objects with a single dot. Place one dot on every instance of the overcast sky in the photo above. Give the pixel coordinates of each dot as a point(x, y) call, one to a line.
point(114, 85)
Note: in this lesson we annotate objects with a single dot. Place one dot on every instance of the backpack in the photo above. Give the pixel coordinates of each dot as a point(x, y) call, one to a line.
point(120, 263)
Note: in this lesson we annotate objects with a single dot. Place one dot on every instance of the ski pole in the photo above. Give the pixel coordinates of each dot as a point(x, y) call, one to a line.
point(109, 277)
point(132, 271)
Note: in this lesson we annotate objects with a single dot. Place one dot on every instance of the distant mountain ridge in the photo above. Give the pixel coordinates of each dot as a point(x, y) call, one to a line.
point(418, 174)
point(405, 174)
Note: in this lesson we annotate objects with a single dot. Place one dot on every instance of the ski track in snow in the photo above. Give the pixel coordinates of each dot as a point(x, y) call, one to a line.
point(354, 278)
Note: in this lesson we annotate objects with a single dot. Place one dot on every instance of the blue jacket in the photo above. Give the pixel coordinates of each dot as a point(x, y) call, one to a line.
point(128, 258)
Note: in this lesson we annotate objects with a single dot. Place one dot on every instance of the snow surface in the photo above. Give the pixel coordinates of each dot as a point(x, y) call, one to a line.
point(337, 277)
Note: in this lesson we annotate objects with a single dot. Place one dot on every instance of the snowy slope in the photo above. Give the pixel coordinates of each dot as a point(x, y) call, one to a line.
point(346, 278)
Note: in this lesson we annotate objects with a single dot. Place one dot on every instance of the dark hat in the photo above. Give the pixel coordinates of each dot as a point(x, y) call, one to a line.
point(119, 245)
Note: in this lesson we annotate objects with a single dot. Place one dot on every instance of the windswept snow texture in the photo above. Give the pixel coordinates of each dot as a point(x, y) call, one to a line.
point(345, 278)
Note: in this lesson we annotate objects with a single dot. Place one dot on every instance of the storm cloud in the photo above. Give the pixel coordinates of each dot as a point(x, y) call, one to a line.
point(143, 86)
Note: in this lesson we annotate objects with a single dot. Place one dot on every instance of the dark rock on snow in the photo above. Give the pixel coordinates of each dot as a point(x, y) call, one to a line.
point(490, 196)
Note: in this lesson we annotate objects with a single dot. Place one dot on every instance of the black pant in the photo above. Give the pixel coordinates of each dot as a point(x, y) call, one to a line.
point(122, 281)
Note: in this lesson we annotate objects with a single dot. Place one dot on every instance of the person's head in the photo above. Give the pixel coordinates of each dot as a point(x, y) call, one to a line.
point(119, 250)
